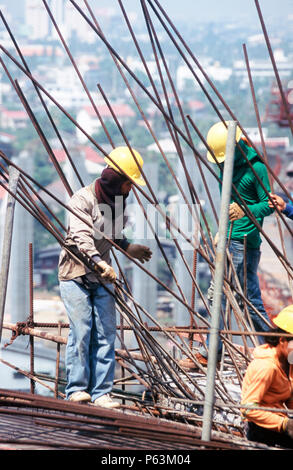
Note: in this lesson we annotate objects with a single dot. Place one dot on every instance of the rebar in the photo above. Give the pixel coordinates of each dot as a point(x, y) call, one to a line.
point(160, 372)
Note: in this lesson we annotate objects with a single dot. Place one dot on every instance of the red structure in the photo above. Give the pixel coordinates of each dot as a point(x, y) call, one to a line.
point(276, 109)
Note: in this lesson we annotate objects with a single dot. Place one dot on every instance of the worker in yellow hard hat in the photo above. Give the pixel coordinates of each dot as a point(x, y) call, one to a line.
point(88, 293)
point(128, 162)
point(217, 139)
point(243, 235)
point(268, 383)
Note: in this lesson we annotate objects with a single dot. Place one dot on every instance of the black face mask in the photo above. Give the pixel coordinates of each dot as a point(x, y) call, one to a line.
point(111, 182)
point(108, 186)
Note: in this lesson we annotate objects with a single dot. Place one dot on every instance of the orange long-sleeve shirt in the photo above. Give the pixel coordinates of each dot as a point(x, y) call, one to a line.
point(266, 384)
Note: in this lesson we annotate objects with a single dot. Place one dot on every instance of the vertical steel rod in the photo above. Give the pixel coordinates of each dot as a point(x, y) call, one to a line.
point(31, 316)
point(219, 277)
point(57, 362)
point(277, 75)
point(7, 240)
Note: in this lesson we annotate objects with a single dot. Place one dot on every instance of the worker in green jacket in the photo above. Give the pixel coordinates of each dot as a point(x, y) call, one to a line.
point(241, 223)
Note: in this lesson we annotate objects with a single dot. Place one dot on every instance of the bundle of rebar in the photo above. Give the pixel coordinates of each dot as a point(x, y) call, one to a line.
point(153, 365)
point(36, 422)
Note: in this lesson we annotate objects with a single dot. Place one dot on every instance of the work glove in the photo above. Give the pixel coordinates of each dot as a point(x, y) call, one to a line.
point(106, 271)
point(216, 239)
point(235, 212)
point(289, 428)
point(140, 252)
point(210, 293)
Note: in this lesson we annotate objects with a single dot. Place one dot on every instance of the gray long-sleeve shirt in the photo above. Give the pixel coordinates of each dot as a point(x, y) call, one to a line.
point(85, 232)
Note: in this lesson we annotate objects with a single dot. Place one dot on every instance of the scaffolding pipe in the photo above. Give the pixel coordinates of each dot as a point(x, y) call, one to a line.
point(7, 240)
point(218, 281)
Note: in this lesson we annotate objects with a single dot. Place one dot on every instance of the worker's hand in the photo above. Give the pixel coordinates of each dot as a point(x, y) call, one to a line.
point(289, 428)
point(279, 202)
point(106, 271)
point(140, 252)
point(235, 212)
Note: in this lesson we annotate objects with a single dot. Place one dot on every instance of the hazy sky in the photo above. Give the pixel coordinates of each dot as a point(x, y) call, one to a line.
point(196, 10)
point(209, 10)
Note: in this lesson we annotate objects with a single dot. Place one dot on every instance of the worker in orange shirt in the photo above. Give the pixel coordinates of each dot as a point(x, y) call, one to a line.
point(268, 383)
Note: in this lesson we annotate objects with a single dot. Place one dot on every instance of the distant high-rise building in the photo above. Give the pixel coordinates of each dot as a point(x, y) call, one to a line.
point(37, 19)
point(13, 10)
point(75, 24)
point(57, 8)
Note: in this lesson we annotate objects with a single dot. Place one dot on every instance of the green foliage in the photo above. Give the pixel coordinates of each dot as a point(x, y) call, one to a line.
point(101, 137)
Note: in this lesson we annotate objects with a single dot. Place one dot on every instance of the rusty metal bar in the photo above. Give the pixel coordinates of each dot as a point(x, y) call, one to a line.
point(277, 212)
point(110, 241)
point(150, 345)
point(57, 362)
point(29, 375)
point(182, 330)
point(78, 72)
point(281, 257)
point(41, 98)
point(31, 315)
point(274, 64)
point(209, 81)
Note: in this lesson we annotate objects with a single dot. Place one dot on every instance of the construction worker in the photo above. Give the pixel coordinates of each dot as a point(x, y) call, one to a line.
point(282, 205)
point(240, 225)
point(87, 294)
point(268, 383)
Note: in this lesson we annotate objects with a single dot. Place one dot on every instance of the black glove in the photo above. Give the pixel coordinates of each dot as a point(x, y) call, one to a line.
point(140, 252)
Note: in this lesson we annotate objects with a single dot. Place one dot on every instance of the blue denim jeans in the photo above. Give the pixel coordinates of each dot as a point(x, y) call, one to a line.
point(252, 286)
point(90, 350)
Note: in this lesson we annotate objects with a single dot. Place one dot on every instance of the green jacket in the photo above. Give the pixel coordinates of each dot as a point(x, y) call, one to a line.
point(250, 189)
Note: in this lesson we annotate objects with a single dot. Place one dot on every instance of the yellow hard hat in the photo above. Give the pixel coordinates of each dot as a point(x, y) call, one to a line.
point(125, 161)
point(216, 140)
point(284, 319)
